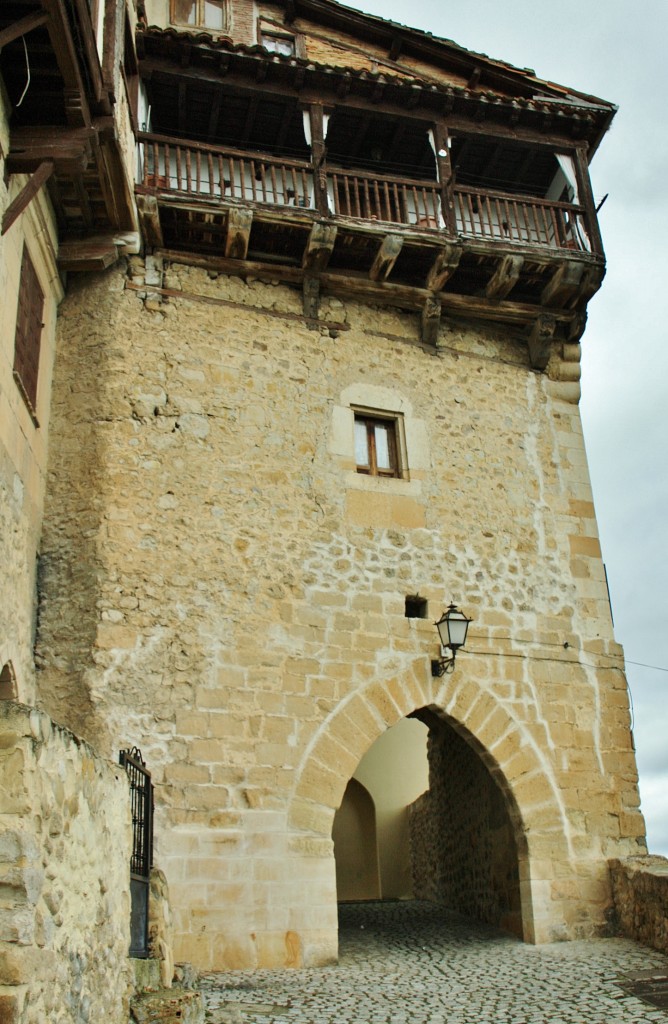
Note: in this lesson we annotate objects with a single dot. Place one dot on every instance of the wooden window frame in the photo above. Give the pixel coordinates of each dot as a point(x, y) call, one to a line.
point(199, 16)
point(371, 419)
point(280, 37)
point(28, 334)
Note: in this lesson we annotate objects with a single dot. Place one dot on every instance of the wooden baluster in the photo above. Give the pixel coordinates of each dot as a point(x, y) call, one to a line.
point(274, 188)
point(209, 158)
point(346, 186)
point(167, 166)
point(366, 208)
point(398, 203)
point(221, 175)
point(545, 225)
point(376, 201)
point(189, 171)
point(534, 218)
point(335, 190)
point(284, 183)
point(179, 168)
point(386, 201)
point(242, 177)
point(507, 220)
point(263, 182)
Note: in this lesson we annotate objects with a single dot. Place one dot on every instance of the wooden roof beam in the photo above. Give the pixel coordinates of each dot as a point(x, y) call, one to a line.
point(78, 114)
point(22, 27)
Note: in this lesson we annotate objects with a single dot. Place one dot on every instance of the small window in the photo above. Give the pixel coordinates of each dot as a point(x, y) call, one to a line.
point(416, 607)
point(376, 447)
point(277, 43)
point(206, 13)
point(8, 690)
point(28, 335)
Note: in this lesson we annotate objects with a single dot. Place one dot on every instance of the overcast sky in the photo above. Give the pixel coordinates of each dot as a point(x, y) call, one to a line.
point(614, 49)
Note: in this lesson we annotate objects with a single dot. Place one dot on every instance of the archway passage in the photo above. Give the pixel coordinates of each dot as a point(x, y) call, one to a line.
point(460, 840)
point(466, 840)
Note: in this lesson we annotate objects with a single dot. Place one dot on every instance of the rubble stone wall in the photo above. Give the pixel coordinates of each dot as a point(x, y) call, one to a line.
point(65, 844)
point(640, 893)
point(463, 847)
point(222, 588)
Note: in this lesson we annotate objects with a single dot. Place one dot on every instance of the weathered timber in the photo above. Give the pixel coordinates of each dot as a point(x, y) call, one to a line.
point(430, 321)
point(540, 340)
point(239, 224)
point(69, 149)
point(22, 27)
point(60, 35)
point(319, 247)
point(505, 277)
point(26, 195)
point(88, 254)
point(386, 257)
point(150, 220)
point(444, 266)
point(563, 285)
point(311, 297)
point(377, 292)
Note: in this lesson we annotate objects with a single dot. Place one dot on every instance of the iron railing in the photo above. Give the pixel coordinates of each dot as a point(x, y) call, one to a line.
point(141, 860)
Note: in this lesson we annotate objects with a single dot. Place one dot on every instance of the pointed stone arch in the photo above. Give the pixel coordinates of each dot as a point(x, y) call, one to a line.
point(508, 748)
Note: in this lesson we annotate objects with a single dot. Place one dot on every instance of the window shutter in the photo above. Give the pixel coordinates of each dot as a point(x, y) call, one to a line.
point(28, 331)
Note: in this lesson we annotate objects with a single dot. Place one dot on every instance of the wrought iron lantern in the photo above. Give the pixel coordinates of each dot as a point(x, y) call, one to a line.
point(452, 629)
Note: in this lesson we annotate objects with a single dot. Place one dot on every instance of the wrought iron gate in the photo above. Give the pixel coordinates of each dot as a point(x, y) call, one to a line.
point(141, 794)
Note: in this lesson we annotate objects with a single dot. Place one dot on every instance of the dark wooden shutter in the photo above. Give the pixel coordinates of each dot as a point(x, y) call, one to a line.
point(28, 331)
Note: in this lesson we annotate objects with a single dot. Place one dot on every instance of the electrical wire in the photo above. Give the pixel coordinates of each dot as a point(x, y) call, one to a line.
point(28, 71)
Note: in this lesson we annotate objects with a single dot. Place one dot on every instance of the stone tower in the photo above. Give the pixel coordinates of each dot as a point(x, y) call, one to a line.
point(331, 386)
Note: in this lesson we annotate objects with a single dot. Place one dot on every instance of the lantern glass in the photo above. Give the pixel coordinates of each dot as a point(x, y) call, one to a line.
point(452, 628)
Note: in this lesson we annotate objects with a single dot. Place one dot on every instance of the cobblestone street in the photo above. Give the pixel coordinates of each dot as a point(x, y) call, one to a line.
point(413, 963)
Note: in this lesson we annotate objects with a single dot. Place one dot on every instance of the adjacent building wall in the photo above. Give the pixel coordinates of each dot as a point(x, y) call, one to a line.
point(23, 443)
point(225, 590)
point(65, 845)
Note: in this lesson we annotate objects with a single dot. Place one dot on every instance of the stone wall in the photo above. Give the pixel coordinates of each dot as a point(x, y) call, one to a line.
point(463, 847)
point(640, 894)
point(221, 587)
point(65, 844)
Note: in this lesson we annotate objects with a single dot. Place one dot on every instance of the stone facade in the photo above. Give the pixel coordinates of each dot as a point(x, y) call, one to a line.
point(222, 588)
point(65, 843)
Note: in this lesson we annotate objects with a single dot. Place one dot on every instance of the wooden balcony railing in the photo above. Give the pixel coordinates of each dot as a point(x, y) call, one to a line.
point(501, 216)
point(391, 199)
point(198, 171)
point(212, 173)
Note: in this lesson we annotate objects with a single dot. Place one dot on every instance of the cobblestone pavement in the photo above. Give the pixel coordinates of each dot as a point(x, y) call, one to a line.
point(413, 963)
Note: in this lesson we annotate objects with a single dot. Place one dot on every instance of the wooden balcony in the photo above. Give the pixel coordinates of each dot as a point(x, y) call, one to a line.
point(481, 253)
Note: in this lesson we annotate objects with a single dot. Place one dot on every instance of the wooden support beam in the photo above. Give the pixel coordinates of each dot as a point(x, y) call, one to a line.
point(311, 297)
point(386, 257)
point(239, 223)
point(68, 148)
point(319, 247)
point(444, 266)
point(26, 195)
point(563, 285)
point(505, 277)
point(22, 27)
point(149, 215)
point(431, 321)
point(540, 340)
point(88, 254)
point(60, 35)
